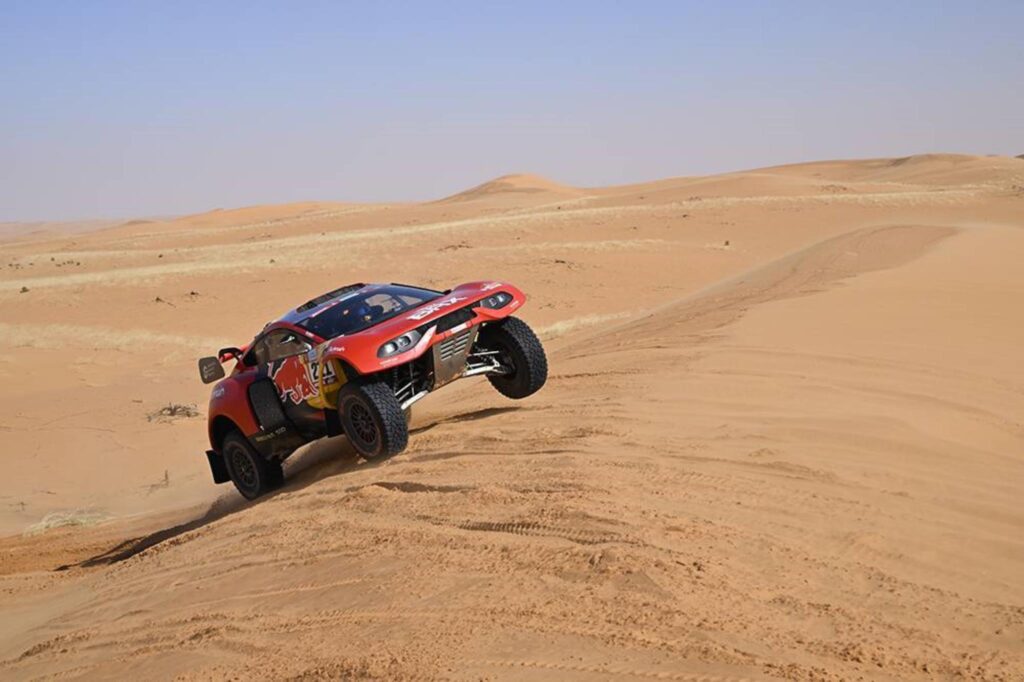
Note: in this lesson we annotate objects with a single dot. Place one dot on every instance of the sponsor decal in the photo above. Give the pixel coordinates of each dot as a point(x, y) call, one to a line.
point(299, 381)
point(429, 310)
point(264, 436)
point(490, 286)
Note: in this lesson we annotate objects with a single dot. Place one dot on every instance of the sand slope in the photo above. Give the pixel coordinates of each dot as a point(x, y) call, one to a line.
point(794, 456)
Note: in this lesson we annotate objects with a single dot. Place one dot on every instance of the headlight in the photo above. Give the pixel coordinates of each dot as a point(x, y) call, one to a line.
point(498, 300)
point(399, 345)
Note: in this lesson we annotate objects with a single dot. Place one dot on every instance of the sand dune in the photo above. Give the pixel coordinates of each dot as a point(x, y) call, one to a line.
point(43, 230)
point(517, 188)
point(921, 169)
point(781, 439)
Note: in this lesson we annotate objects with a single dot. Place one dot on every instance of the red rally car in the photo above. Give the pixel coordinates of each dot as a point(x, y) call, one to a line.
point(353, 361)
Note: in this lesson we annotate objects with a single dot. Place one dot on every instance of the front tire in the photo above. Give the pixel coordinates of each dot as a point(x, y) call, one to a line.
point(372, 419)
point(252, 473)
point(521, 351)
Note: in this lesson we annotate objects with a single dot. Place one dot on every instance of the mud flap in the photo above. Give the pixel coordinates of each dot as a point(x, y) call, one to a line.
point(218, 467)
point(332, 422)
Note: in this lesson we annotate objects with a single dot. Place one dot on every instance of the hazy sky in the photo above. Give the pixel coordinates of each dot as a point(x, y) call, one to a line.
point(147, 108)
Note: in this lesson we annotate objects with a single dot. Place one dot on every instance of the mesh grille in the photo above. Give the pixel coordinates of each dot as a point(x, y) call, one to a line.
point(266, 404)
point(454, 345)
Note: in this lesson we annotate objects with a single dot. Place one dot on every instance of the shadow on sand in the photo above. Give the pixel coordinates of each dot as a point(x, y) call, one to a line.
point(318, 460)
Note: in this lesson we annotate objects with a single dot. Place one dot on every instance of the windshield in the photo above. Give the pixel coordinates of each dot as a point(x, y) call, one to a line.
point(365, 308)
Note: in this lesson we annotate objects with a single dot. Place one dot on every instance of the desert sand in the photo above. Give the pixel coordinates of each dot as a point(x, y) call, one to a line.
point(782, 438)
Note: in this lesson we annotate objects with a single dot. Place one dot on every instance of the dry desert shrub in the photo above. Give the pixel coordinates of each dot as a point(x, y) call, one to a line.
point(173, 411)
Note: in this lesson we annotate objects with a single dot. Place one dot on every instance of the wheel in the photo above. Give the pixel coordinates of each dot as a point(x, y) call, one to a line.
point(521, 352)
point(372, 418)
point(252, 473)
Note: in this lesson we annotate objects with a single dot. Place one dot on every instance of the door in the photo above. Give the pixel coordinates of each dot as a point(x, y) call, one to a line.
point(289, 360)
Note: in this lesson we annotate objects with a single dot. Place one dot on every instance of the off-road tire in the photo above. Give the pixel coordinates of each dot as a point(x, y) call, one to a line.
point(252, 473)
point(521, 349)
point(372, 419)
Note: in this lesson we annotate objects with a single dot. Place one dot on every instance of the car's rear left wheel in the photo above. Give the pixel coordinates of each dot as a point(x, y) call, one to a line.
point(252, 473)
point(372, 419)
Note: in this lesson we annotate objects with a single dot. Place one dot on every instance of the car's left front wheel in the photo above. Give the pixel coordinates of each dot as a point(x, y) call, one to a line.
point(372, 419)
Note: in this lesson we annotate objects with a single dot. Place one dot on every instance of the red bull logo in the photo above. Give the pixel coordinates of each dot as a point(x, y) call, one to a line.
point(294, 381)
point(298, 380)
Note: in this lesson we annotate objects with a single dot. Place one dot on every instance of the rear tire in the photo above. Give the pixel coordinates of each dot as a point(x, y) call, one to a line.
point(252, 473)
point(372, 419)
point(522, 351)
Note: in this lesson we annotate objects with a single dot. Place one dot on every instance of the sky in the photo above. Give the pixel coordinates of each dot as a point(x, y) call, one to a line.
point(131, 109)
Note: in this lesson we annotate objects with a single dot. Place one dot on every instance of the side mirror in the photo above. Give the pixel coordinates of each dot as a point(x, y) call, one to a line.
point(210, 370)
point(225, 354)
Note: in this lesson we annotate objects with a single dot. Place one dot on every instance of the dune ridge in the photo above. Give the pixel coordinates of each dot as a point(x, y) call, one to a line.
point(515, 185)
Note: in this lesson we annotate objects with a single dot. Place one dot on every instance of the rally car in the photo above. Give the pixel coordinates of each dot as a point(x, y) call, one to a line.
point(353, 361)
